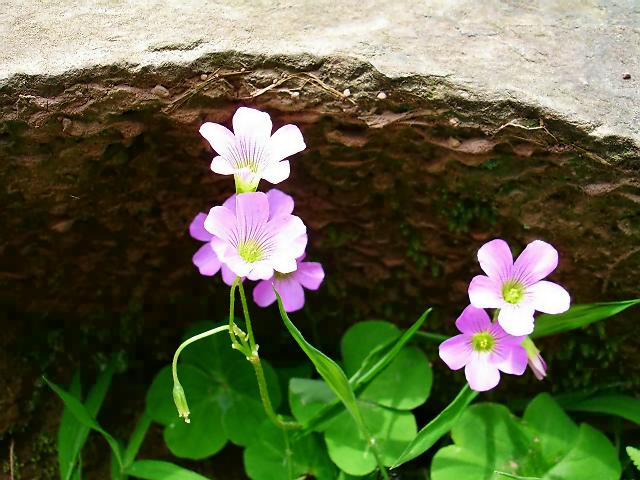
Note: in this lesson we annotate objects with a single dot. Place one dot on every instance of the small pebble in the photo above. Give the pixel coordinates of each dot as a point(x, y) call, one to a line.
point(160, 91)
point(346, 92)
point(295, 94)
point(626, 76)
point(204, 76)
point(66, 124)
point(381, 96)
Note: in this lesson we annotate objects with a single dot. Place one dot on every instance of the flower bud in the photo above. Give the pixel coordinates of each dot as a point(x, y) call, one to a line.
point(181, 402)
point(536, 363)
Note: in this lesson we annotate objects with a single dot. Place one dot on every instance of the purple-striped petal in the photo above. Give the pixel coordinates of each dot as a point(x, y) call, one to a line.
point(495, 259)
point(535, 262)
point(252, 125)
point(197, 230)
point(252, 213)
point(262, 270)
point(263, 293)
point(549, 297)
point(485, 292)
point(473, 320)
point(285, 142)
point(516, 319)
point(310, 275)
point(481, 374)
point(279, 203)
point(456, 351)
point(220, 138)
point(206, 260)
point(221, 222)
point(291, 293)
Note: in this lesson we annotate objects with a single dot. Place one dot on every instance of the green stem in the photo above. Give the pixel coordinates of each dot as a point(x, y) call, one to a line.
point(287, 454)
point(254, 359)
point(247, 318)
point(233, 328)
point(496, 312)
point(189, 341)
point(374, 449)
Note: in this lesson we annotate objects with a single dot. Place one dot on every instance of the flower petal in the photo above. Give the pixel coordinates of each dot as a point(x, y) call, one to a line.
point(284, 263)
point(230, 203)
point(456, 351)
point(510, 359)
point(221, 222)
point(206, 260)
point(262, 270)
point(495, 259)
point(287, 230)
point(286, 141)
point(263, 293)
point(473, 320)
point(291, 293)
point(228, 276)
point(238, 265)
point(516, 320)
point(310, 275)
point(221, 166)
point(252, 125)
point(197, 230)
point(277, 172)
point(279, 203)
point(220, 138)
point(481, 375)
point(252, 213)
point(549, 297)
point(484, 292)
point(535, 262)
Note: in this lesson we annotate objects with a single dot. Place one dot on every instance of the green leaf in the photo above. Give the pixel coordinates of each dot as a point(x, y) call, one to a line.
point(329, 370)
point(634, 455)
point(307, 397)
point(392, 431)
point(492, 444)
point(591, 458)
point(578, 316)
point(69, 441)
point(158, 470)
point(136, 439)
point(72, 434)
point(554, 430)
point(222, 394)
point(438, 427)
point(267, 459)
point(84, 417)
point(362, 338)
point(487, 439)
point(623, 406)
point(385, 347)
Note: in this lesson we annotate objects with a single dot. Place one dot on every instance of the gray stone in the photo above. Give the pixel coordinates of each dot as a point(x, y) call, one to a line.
point(566, 58)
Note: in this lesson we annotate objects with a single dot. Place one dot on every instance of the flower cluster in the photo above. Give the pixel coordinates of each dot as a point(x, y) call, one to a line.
point(254, 235)
point(515, 290)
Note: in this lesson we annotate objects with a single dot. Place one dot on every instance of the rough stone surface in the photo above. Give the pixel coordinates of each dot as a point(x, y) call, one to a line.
point(567, 58)
point(461, 123)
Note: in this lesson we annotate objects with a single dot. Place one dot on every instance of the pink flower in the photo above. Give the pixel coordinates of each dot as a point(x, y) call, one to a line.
point(484, 349)
point(255, 237)
point(205, 258)
point(289, 285)
point(251, 152)
point(516, 288)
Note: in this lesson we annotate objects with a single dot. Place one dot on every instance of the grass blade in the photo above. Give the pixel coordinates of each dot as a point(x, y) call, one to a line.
point(84, 417)
point(136, 439)
point(69, 445)
point(438, 427)
point(158, 470)
point(579, 316)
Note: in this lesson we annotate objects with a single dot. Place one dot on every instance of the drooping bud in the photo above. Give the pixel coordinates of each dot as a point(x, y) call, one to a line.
point(180, 400)
point(536, 363)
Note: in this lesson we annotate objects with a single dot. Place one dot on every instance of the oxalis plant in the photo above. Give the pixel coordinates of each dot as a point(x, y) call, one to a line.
point(355, 420)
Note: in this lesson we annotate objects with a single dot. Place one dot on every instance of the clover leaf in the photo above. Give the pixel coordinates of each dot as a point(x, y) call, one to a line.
point(222, 393)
